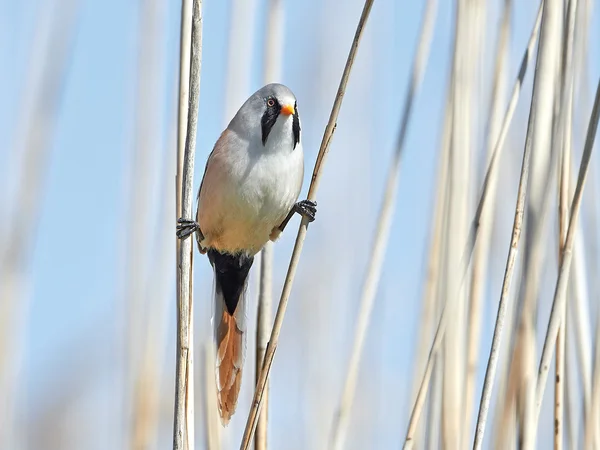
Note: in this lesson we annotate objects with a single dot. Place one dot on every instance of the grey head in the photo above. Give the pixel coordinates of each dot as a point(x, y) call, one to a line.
point(269, 117)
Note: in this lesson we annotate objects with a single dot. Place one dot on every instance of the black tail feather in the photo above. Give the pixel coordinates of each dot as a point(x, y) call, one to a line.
point(231, 272)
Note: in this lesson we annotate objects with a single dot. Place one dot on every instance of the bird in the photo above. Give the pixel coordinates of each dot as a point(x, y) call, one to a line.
point(247, 196)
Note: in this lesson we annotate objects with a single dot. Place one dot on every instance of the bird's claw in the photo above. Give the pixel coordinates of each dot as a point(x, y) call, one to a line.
point(306, 208)
point(186, 227)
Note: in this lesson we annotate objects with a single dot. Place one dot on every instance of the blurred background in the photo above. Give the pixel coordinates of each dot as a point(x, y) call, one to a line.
point(88, 112)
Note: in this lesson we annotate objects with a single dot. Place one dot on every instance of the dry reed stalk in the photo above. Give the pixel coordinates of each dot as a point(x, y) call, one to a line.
point(382, 230)
point(190, 404)
point(591, 420)
point(151, 372)
point(185, 42)
point(528, 432)
point(565, 118)
point(213, 427)
point(537, 140)
point(536, 252)
point(493, 166)
point(572, 411)
point(578, 284)
point(239, 55)
point(183, 426)
point(539, 201)
point(556, 315)
point(264, 319)
point(271, 73)
point(138, 368)
point(324, 148)
point(432, 286)
point(579, 308)
point(435, 284)
point(435, 289)
point(460, 182)
point(481, 252)
point(43, 91)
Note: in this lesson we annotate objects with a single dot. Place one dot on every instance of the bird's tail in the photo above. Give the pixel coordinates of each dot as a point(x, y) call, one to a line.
point(231, 280)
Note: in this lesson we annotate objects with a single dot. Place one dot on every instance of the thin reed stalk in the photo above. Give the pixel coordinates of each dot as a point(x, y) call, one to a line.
point(493, 166)
point(213, 427)
point(324, 149)
point(272, 68)
point(591, 421)
point(183, 423)
point(556, 315)
point(460, 181)
point(481, 252)
point(435, 267)
point(239, 55)
point(159, 293)
point(138, 368)
point(382, 230)
point(566, 103)
point(537, 140)
point(521, 372)
point(579, 308)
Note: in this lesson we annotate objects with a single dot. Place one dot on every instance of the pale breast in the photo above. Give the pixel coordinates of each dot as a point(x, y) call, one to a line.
point(246, 194)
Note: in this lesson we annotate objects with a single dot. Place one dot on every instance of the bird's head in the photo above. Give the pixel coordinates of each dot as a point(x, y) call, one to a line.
point(270, 116)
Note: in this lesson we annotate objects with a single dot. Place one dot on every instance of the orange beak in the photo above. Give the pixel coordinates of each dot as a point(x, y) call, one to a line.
point(288, 110)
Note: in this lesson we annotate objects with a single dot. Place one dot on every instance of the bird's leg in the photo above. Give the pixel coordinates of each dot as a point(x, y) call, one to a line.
point(306, 208)
point(186, 227)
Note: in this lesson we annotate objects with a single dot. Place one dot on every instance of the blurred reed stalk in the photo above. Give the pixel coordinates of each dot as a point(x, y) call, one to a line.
point(521, 370)
point(140, 287)
point(481, 254)
point(564, 133)
point(212, 431)
point(591, 421)
point(461, 181)
point(239, 55)
point(273, 44)
point(558, 304)
point(580, 279)
point(159, 295)
point(434, 422)
point(382, 230)
point(183, 423)
point(43, 91)
point(434, 282)
point(287, 287)
point(473, 234)
point(539, 131)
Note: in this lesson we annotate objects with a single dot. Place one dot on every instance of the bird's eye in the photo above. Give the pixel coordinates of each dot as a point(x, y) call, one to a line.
point(270, 103)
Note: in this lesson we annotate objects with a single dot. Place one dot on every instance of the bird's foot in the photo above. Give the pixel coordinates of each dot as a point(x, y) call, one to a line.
point(306, 208)
point(186, 227)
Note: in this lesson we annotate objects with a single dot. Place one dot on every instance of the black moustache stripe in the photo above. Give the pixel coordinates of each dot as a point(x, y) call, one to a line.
point(268, 120)
point(296, 125)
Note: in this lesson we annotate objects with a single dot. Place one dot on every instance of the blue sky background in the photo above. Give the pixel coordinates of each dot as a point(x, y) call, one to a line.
point(75, 311)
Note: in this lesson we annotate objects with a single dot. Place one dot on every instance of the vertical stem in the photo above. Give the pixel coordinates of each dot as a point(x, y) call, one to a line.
point(183, 427)
point(272, 69)
point(432, 297)
point(566, 108)
point(556, 315)
point(264, 318)
point(213, 427)
point(483, 199)
point(538, 138)
point(481, 255)
point(382, 230)
point(139, 372)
